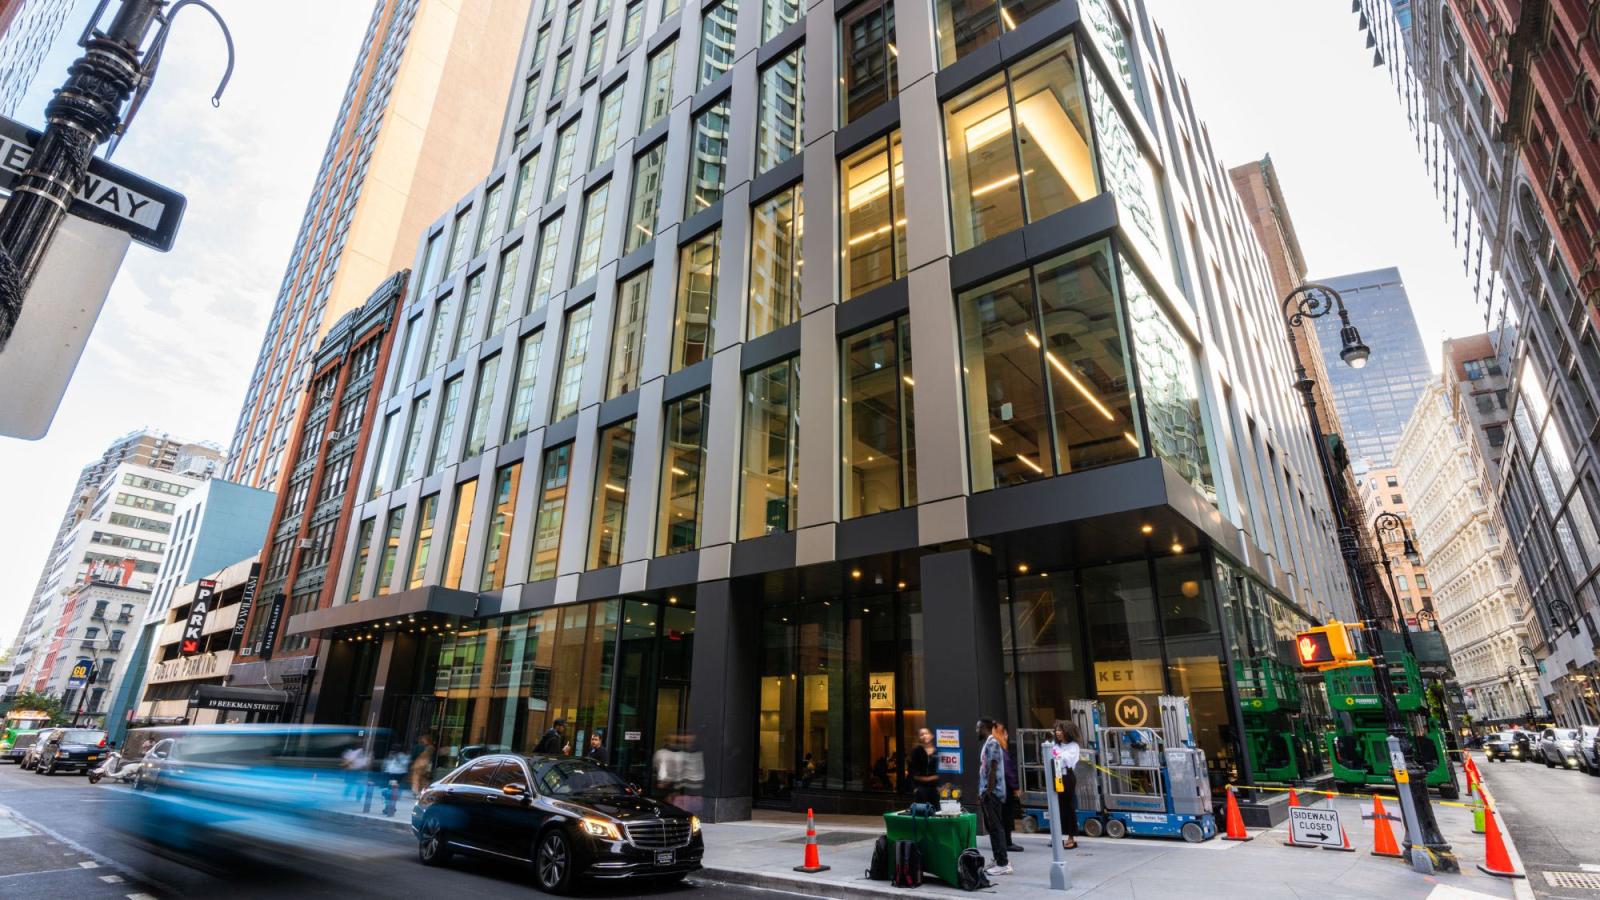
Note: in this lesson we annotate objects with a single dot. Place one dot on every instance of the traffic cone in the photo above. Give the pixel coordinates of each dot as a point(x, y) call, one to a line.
point(1383, 842)
point(1235, 824)
point(1477, 818)
point(1496, 860)
point(1294, 799)
point(813, 858)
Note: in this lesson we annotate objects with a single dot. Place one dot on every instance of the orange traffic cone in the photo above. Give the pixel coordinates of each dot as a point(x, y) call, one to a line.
point(1294, 799)
point(1383, 842)
point(1235, 824)
point(1496, 860)
point(1347, 847)
point(813, 858)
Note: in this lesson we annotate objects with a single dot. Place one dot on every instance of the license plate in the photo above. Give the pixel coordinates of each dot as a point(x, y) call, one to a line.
point(91, 758)
point(665, 857)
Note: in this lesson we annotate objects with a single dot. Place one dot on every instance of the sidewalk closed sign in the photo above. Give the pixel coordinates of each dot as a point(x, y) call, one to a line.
point(1314, 826)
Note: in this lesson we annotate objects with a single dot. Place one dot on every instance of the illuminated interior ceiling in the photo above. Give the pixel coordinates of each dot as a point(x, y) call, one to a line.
point(1052, 130)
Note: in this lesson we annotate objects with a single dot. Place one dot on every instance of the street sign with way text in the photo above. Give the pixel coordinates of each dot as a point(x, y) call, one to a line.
point(111, 195)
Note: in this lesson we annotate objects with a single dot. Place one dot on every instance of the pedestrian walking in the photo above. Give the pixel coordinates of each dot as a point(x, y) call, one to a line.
point(421, 765)
point(1013, 805)
point(1064, 755)
point(991, 795)
point(924, 769)
point(554, 741)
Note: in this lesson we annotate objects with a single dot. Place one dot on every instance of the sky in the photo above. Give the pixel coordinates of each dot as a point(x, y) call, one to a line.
point(180, 330)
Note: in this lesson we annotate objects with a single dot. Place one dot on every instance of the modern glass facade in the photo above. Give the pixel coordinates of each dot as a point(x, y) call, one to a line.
point(1019, 454)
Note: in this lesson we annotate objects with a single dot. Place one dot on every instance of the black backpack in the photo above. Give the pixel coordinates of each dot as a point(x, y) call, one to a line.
point(969, 871)
point(907, 864)
point(879, 870)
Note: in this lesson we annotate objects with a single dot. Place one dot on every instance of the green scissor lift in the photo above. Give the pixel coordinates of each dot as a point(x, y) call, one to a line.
point(1357, 741)
point(1278, 736)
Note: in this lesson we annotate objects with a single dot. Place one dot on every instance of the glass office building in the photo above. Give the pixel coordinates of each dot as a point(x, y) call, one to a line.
point(801, 377)
point(1375, 401)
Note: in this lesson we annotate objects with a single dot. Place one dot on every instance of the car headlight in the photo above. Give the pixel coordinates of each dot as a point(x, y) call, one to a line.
point(600, 828)
point(694, 824)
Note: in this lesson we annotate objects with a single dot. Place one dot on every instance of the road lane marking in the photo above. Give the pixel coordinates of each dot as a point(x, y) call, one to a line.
point(89, 864)
point(111, 879)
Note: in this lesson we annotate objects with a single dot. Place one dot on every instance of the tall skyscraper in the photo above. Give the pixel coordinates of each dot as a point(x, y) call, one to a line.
point(430, 80)
point(1375, 401)
point(28, 29)
point(987, 448)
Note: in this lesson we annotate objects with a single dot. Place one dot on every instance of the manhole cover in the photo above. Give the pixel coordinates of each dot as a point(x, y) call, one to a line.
point(1585, 880)
point(834, 838)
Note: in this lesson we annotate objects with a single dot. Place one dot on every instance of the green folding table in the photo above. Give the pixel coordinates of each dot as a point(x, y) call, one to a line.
point(942, 838)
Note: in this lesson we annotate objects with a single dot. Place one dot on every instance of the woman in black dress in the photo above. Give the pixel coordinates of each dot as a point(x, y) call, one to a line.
point(923, 769)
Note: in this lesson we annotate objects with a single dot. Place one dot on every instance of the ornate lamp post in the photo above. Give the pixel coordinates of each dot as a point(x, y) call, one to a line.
point(1313, 300)
point(1572, 618)
point(1387, 523)
point(1514, 676)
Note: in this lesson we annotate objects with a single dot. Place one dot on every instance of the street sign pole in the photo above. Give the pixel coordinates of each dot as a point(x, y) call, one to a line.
point(1421, 860)
point(1060, 880)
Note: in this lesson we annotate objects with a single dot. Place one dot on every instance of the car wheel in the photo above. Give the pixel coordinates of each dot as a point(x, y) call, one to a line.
point(552, 861)
point(1093, 828)
point(1193, 833)
point(432, 847)
point(1548, 764)
point(47, 768)
point(1116, 828)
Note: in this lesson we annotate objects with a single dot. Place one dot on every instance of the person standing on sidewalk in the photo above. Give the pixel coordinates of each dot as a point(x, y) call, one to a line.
point(991, 795)
point(1064, 756)
point(924, 769)
point(1013, 807)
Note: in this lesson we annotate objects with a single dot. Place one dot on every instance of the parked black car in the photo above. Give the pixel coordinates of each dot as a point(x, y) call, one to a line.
point(569, 818)
point(69, 749)
point(1508, 745)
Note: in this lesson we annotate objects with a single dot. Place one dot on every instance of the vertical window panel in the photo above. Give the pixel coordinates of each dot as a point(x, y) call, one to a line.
point(678, 521)
point(777, 16)
point(873, 212)
point(605, 133)
point(777, 226)
point(646, 203)
point(780, 128)
point(505, 282)
point(717, 41)
point(769, 482)
point(447, 424)
point(521, 413)
point(482, 400)
point(610, 506)
point(575, 349)
point(632, 24)
point(867, 59)
point(544, 272)
point(1008, 422)
point(627, 335)
point(524, 190)
point(488, 223)
point(551, 512)
point(391, 551)
point(657, 86)
point(422, 542)
point(466, 332)
point(597, 51)
point(590, 231)
point(358, 570)
point(460, 529)
point(878, 428)
point(561, 175)
point(497, 543)
point(697, 300)
point(419, 414)
point(388, 445)
point(708, 157)
point(1169, 385)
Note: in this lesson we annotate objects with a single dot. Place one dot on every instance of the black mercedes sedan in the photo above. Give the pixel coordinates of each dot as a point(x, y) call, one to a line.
point(569, 818)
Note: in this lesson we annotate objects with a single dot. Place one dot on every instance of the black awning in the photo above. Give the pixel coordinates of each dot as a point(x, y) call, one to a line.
point(210, 696)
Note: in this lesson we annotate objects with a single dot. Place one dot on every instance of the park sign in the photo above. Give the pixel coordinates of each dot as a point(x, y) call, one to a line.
point(195, 625)
point(110, 195)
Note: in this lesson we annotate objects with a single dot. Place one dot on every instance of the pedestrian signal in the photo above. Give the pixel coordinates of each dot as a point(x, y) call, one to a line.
point(1324, 647)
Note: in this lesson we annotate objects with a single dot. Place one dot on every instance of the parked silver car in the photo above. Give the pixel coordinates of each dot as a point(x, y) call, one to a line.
point(1589, 749)
point(1559, 747)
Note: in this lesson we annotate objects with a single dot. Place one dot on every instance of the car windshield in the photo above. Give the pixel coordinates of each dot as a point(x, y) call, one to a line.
point(1566, 734)
point(570, 777)
point(77, 736)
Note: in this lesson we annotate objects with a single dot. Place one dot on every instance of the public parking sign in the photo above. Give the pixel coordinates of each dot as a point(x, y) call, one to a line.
point(1316, 826)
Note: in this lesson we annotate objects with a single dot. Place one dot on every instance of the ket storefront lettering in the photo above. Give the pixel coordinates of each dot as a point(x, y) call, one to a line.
point(194, 626)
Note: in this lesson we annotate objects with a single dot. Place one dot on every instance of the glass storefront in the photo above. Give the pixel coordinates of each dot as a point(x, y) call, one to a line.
point(1123, 633)
point(617, 668)
point(841, 695)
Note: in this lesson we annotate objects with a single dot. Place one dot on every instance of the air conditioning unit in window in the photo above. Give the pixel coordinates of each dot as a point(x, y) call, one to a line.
point(306, 544)
point(335, 436)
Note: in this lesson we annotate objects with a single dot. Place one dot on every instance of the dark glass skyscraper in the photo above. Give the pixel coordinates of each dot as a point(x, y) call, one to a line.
point(1375, 401)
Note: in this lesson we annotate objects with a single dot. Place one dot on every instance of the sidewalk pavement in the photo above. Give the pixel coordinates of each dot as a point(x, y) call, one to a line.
point(763, 852)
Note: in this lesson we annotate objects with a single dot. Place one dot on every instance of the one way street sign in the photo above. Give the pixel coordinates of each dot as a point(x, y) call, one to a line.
point(110, 195)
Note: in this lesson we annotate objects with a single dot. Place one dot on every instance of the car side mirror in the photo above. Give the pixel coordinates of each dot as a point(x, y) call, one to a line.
point(515, 789)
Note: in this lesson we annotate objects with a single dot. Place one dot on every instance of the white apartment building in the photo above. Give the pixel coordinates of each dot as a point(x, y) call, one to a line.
point(1473, 594)
point(120, 542)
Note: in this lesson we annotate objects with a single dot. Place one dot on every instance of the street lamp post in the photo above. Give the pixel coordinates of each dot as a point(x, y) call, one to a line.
point(1312, 300)
point(1387, 523)
point(1514, 676)
point(85, 111)
point(1572, 618)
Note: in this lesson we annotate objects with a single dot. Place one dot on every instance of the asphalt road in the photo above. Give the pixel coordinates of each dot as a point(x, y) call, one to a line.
point(57, 840)
point(1554, 817)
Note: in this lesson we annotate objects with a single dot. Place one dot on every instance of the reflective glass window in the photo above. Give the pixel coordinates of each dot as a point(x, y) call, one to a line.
point(551, 512)
point(482, 399)
point(574, 349)
point(422, 541)
point(769, 474)
point(684, 450)
point(627, 335)
point(780, 128)
point(708, 157)
point(697, 300)
point(612, 483)
point(497, 543)
point(879, 429)
point(872, 229)
point(646, 202)
point(460, 529)
point(868, 77)
point(717, 40)
point(591, 231)
point(777, 225)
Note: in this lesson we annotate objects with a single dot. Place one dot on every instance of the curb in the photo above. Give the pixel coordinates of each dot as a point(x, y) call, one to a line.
point(797, 884)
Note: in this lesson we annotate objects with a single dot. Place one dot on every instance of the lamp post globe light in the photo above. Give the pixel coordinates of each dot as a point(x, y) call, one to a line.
point(1313, 300)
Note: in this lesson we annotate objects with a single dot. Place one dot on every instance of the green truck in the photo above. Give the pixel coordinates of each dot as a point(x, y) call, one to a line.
point(1357, 740)
point(1278, 730)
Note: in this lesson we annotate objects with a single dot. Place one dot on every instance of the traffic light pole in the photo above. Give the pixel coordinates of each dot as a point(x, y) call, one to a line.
point(1305, 302)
